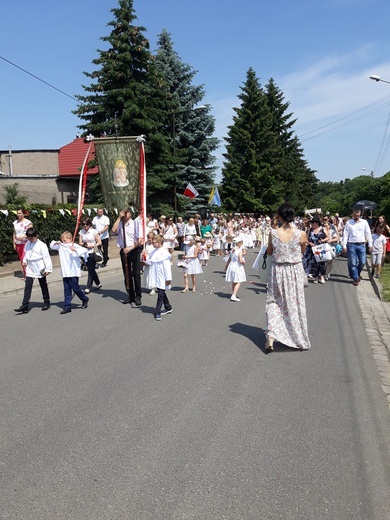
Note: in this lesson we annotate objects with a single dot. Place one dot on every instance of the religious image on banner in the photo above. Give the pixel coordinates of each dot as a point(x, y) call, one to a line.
point(118, 160)
point(120, 179)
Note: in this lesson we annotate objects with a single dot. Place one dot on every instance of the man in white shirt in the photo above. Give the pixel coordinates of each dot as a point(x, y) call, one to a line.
point(101, 223)
point(355, 236)
point(130, 238)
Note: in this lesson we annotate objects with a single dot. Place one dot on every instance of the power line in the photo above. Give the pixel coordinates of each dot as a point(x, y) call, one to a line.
point(39, 79)
point(348, 119)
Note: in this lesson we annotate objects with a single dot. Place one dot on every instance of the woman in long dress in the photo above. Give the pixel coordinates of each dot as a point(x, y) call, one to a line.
point(285, 306)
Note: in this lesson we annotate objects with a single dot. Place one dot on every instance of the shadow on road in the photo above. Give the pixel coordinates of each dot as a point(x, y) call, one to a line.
point(254, 334)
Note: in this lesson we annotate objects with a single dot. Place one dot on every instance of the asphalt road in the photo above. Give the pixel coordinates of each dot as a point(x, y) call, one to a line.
point(107, 414)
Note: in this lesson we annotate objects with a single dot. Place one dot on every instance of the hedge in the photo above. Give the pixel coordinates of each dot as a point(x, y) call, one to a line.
point(48, 221)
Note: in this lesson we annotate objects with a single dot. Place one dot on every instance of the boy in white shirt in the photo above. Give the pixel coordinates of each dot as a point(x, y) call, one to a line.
point(378, 251)
point(160, 275)
point(69, 254)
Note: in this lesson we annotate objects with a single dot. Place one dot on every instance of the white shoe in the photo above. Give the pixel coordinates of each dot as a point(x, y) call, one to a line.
point(152, 292)
point(234, 299)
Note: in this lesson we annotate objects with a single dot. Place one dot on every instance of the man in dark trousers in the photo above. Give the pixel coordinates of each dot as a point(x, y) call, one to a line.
point(130, 238)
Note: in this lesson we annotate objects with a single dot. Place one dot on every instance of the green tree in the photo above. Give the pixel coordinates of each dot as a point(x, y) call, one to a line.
point(12, 196)
point(298, 180)
point(251, 171)
point(190, 156)
point(126, 95)
point(265, 164)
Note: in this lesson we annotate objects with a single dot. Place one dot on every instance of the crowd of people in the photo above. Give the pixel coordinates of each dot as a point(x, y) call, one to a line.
point(301, 248)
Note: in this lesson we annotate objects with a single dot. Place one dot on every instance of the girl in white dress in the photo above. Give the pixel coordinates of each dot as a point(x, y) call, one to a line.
point(203, 254)
point(148, 248)
point(193, 266)
point(217, 242)
point(248, 240)
point(235, 271)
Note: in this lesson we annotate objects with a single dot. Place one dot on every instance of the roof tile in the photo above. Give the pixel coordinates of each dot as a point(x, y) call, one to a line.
point(71, 158)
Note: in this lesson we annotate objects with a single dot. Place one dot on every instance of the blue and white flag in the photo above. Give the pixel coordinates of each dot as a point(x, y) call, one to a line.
point(215, 199)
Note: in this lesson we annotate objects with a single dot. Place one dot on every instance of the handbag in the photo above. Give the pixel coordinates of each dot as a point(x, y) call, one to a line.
point(322, 252)
point(97, 255)
point(263, 264)
point(182, 263)
point(339, 249)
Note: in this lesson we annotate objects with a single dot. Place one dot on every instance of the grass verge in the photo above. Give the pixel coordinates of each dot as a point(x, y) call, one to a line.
point(385, 281)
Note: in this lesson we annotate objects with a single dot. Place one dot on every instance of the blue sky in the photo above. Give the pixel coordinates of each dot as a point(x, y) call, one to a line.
point(320, 53)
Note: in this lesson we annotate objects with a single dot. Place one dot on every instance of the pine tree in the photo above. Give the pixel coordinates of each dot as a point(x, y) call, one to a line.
point(126, 95)
point(298, 180)
point(251, 167)
point(190, 158)
point(264, 164)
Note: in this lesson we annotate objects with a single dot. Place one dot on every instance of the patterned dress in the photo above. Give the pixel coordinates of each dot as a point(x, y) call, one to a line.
point(285, 306)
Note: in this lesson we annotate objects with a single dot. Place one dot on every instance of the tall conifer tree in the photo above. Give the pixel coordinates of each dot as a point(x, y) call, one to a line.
point(298, 180)
point(191, 157)
point(126, 95)
point(264, 160)
point(251, 165)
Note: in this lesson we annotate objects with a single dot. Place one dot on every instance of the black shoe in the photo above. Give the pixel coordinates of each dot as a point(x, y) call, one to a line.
point(22, 309)
point(65, 311)
point(138, 302)
point(126, 301)
point(166, 311)
point(46, 306)
point(103, 265)
point(85, 304)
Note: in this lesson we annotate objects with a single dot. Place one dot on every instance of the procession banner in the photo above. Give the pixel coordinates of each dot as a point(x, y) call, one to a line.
point(118, 160)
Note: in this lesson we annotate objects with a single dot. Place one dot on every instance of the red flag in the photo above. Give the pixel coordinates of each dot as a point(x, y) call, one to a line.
point(190, 191)
point(82, 190)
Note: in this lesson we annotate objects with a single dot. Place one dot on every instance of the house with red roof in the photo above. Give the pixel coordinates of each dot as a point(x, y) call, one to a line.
point(46, 176)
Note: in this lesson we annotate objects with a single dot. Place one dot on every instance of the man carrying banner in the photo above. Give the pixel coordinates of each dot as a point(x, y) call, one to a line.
point(130, 237)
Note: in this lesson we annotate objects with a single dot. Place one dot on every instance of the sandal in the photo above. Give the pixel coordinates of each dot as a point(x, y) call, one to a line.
point(185, 290)
point(194, 290)
point(269, 344)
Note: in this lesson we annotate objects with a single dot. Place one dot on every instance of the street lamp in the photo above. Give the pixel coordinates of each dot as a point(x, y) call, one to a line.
point(174, 150)
point(367, 170)
point(378, 78)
